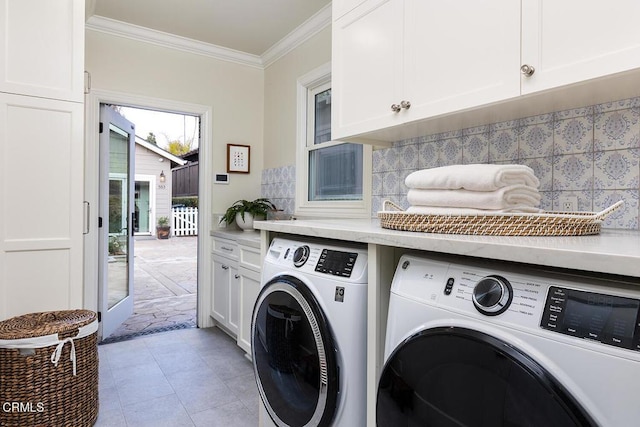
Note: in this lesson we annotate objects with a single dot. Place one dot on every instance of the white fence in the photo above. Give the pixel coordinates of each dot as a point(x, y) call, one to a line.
point(184, 221)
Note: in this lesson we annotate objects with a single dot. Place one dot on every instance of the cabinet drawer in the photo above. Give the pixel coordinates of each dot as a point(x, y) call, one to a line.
point(250, 258)
point(225, 247)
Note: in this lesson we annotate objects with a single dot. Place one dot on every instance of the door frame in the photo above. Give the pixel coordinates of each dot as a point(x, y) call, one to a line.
point(92, 121)
point(151, 179)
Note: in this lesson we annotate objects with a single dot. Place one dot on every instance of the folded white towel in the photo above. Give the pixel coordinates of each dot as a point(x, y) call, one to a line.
point(436, 210)
point(478, 177)
point(502, 198)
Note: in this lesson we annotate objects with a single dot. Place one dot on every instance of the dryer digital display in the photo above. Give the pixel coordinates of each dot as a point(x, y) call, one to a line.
point(609, 319)
point(337, 263)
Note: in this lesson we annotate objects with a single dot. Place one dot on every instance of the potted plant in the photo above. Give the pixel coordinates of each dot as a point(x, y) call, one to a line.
point(243, 212)
point(163, 228)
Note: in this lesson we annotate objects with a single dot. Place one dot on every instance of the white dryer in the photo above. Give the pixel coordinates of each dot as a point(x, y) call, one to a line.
point(309, 334)
point(475, 343)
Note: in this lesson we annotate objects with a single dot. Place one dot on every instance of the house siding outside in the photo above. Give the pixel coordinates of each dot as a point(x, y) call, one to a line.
point(148, 163)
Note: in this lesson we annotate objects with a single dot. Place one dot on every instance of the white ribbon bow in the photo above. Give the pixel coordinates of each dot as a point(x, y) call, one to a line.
point(57, 353)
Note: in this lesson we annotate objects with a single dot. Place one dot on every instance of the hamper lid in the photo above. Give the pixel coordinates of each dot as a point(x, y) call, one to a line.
point(45, 323)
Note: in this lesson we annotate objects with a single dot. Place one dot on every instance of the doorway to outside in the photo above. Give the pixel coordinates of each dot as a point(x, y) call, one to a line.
point(164, 275)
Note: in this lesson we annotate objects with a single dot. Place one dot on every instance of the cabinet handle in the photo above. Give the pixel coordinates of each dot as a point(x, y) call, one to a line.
point(395, 108)
point(527, 70)
point(237, 276)
point(226, 249)
point(225, 267)
point(405, 104)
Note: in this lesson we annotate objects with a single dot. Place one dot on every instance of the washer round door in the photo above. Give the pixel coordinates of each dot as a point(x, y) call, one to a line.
point(461, 377)
point(294, 357)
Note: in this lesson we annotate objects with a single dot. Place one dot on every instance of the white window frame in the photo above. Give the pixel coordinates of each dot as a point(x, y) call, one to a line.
point(325, 208)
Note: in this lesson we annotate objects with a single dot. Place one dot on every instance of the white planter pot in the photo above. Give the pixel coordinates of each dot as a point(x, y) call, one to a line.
point(245, 224)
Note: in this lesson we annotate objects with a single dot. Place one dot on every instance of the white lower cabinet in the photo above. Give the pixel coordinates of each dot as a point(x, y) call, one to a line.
point(235, 283)
point(224, 280)
point(249, 271)
point(249, 289)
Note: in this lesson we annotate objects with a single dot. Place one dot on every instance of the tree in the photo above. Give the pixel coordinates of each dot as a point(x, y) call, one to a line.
point(151, 138)
point(178, 148)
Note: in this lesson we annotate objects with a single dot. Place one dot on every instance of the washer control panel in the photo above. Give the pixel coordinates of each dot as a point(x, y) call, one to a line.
point(598, 309)
point(606, 318)
point(345, 262)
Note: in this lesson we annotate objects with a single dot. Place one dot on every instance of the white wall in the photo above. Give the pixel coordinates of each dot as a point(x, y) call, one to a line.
point(235, 93)
point(280, 107)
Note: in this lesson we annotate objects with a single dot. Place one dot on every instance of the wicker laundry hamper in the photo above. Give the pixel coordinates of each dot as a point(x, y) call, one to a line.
point(49, 369)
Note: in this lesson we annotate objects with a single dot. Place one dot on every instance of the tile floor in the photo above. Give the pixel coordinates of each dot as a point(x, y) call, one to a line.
point(188, 377)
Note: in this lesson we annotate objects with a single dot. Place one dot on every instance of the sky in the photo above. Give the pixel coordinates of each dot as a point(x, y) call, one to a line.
point(165, 126)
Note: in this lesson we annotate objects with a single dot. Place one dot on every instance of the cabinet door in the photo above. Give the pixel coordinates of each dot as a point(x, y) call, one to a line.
point(571, 41)
point(366, 68)
point(41, 194)
point(460, 54)
point(220, 294)
point(42, 48)
point(234, 299)
point(249, 289)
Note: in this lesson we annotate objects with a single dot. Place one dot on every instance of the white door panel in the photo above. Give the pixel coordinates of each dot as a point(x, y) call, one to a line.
point(42, 48)
point(116, 209)
point(41, 205)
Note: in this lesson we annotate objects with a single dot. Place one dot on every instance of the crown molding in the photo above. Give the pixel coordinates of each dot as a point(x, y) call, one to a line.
point(295, 38)
point(312, 26)
point(172, 41)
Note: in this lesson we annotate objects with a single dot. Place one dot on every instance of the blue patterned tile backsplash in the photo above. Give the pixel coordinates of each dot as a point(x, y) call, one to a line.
point(592, 153)
point(279, 186)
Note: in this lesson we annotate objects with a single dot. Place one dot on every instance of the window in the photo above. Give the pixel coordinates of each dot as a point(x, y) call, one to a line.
point(333, 176)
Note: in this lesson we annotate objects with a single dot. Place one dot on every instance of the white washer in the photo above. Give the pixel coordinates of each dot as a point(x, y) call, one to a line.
point(476, 343)
point(309, 334)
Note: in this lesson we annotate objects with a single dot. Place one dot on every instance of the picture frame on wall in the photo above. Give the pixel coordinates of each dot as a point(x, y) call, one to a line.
point(238, 158)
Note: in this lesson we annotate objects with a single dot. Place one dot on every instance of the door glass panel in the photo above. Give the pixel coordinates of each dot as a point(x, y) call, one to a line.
point(287, 359)
point(141, 208)
point(118, 263)
point(447, 379)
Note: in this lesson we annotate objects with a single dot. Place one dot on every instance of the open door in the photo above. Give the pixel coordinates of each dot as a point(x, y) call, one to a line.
point(116, 223)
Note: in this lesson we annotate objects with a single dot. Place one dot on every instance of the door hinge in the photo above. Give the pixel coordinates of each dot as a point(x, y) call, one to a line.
point(101, 127)
point(99, 222)
point(99, 316)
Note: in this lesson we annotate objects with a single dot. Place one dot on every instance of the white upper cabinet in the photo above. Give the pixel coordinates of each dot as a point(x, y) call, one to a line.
point(459, 54)
point(396, 61)
point(426, 62)
point(42, 48)
point(366, 74)
point(572, 41)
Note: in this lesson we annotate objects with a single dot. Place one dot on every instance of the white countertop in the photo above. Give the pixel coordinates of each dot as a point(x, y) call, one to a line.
point(612, 251)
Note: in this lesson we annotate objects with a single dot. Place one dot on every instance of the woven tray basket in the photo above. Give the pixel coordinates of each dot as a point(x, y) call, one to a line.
point(520, 224)
point(33, 390)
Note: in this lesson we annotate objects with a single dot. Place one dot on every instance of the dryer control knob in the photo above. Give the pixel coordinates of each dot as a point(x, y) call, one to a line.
point(301, 255)
point(492, 295)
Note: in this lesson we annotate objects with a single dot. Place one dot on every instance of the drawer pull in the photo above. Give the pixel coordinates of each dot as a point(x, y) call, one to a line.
point(224, 248)
point(225, 267)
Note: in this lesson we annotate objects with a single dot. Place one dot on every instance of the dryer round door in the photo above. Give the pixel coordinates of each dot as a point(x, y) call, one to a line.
point(457, 376)
point(294, 356)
